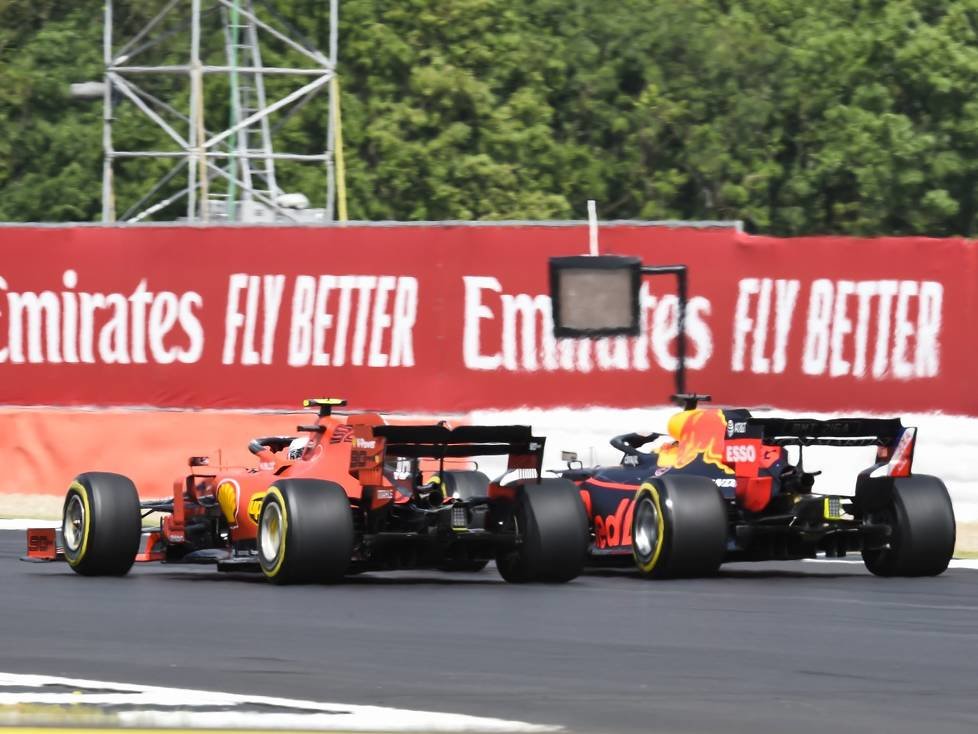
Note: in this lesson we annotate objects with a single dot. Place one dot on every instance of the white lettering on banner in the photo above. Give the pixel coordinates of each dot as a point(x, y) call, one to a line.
point(927, 355)
point(69, 323)
point(191, 326)
point(903, 330)
point(382, 333)
point(817, 334)
point(665, 329)
point(300, 332)
point(381, 319)
point(879, 329)
point(886, 327)
point(526, 341)
point(402, 330)
point(365, 284)
point(756, 326)
point(786, 297)
point(162, 315)
point(476, 311)
point(55, 328)
point(529, 311)
point(29, 309)
point(842, 326)
point(140, 300)
point(886, 290)
point(883, 327)
point(264, 292)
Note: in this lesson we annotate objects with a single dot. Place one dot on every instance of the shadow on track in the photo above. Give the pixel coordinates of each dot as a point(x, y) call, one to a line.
point(760, 573)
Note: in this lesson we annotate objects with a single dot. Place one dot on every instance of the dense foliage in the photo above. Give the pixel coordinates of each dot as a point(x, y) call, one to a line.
point(849, 116)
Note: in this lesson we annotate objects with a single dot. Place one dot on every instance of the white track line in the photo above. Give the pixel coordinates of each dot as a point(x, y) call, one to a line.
point(28, 524)
point(970, 563)
point(154, 706)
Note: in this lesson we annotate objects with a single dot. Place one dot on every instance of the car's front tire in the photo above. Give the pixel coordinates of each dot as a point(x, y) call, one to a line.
point(305, 532)
point(679, 527)
point(101, 524)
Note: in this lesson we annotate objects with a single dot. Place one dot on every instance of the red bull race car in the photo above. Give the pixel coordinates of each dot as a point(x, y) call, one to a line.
point(346, 494)
point(719, 486)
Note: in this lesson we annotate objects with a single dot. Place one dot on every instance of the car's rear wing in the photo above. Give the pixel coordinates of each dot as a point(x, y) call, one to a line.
point(438, 441)
point(374, 443)
point(832, 432)
point(894, 442)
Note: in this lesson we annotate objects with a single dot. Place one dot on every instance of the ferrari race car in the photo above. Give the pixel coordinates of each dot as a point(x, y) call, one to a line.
point(720, 486)
point(347, 494)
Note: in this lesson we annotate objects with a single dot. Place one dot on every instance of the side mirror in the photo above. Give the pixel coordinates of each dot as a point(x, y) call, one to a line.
point(570, 458)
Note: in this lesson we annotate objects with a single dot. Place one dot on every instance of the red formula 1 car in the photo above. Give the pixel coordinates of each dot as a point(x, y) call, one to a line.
point(720, 486)
point(347, 494)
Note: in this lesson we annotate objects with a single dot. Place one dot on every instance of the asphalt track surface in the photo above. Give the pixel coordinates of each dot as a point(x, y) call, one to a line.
point(799, 647)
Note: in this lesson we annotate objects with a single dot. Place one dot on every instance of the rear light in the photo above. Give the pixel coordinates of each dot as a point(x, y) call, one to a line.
point(832, 509)
point(460, 517)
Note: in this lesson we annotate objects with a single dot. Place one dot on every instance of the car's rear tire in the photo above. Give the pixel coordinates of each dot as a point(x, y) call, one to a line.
point(922, 526)
point(679, 527)
point(101, 524)
point(305, 532)
point(552, 529)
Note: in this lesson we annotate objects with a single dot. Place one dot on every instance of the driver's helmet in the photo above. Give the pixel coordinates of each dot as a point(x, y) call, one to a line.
point(296, 448)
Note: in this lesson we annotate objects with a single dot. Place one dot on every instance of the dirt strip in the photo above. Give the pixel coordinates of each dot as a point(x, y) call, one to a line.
point(39, 506)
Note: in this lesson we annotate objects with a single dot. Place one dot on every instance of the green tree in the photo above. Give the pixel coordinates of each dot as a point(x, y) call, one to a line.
point(843, 116)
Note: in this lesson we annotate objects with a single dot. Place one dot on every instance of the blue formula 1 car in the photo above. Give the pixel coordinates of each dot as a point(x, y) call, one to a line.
point(719, 486)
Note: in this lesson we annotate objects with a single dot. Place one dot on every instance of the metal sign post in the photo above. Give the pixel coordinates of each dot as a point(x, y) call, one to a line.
point(599, 296)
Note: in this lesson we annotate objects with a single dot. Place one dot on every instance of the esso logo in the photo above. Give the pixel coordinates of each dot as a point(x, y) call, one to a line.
point(740, 452)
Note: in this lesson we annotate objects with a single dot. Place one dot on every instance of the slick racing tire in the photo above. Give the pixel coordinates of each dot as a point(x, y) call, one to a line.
point(101, 524)
point(552, 534)
point(305, 532)
point(679, 527)
point(922, 527)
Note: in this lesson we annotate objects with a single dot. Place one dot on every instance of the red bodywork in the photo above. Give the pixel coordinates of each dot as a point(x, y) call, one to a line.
point(340, 449)
point(220, 508)
point(334, 451)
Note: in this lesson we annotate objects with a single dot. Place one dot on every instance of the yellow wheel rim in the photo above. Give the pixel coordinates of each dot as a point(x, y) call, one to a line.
point(648, 536)
point(76, 523)
point(272, 532)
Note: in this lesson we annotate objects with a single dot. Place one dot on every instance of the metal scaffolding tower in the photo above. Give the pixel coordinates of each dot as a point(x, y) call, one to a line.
point(230, 173)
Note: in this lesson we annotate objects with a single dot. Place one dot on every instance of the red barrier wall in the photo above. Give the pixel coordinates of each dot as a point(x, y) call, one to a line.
point(51, 447)
point(447, 318)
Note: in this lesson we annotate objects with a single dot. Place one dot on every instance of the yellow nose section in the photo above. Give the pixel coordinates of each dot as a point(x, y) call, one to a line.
point(227, 498)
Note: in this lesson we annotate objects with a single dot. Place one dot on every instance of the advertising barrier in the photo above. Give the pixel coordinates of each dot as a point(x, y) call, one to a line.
point(456, 318)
